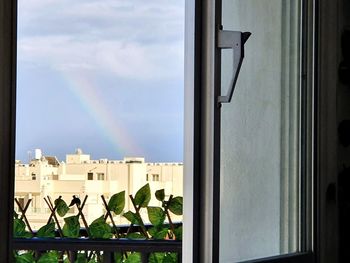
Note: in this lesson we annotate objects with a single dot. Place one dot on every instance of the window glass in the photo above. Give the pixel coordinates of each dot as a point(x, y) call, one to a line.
point(90, 176)
point(100, 176)
point(260, 133)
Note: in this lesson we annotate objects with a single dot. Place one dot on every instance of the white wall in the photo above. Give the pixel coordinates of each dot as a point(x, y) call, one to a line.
point(252, 145)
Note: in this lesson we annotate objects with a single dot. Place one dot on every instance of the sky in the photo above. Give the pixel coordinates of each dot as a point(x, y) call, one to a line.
point(104, 76)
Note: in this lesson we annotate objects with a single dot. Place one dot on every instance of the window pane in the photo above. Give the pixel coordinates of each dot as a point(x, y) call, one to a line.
point(260, 138)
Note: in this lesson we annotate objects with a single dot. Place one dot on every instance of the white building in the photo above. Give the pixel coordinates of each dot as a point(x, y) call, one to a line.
point(79, 175)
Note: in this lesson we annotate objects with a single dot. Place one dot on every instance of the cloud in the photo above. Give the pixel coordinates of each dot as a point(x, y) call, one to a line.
point(134, 20)
point(132, 49)
point(123, 59)
point(131, 39)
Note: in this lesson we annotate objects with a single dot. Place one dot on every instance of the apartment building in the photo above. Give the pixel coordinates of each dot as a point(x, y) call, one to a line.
point(81, 176)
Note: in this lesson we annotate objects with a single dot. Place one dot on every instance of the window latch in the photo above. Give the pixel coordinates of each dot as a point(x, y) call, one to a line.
point(234, 40)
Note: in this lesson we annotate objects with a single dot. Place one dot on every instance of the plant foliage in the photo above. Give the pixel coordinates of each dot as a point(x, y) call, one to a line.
point(71, 227)
point(160, 218)
point(61, 207)
point(143, 196)
point(117, 203)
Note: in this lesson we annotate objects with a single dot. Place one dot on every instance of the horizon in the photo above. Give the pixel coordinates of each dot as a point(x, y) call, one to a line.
point(31, 156)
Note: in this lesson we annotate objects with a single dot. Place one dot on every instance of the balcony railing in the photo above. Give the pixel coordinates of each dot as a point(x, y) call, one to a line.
point(103, 240)
point(107, 247)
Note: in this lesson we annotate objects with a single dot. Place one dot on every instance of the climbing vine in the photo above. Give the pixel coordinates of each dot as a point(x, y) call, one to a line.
point(103, 227)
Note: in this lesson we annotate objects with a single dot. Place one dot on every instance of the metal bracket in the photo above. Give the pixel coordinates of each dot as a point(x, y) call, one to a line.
point(234, 40)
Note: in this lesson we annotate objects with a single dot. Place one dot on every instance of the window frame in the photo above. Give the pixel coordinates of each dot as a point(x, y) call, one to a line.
point(8, 50)
point(326, 42)
point(327, 47)
point(198, 190)
point(306, 141)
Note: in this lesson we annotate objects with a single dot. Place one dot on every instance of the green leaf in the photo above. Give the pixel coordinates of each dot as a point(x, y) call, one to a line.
point(19, 229)
point(15, 215)
point(47, 230)
point(160, 195)
point(133, 218)
point(143, 196)
point(178, 233)
point(156, 215)
point(117, 203)
point(71, 227)
point(133, 258)
point(170, 258)
point(61, 207)
point(161, 257)
point(135, 235)
point(130, 216)
point(118, 257)
point(156, 257)
point(27, 234)
point(81, 258)
point(93, 259)
point(100, 229)
point(99, 220)
point(25, 258)
point(158, 232)
point(49, 257)
point(175, 205)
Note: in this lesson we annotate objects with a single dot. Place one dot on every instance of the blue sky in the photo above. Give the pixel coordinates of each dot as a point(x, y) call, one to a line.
point(105, 76)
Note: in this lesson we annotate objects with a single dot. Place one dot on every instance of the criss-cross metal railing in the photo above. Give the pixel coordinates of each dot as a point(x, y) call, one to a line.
point(106, 246)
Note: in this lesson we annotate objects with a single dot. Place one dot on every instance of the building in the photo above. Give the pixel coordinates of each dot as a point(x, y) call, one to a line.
point(80, 175)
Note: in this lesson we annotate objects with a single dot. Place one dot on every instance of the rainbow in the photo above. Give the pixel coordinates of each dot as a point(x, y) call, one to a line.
point(115, 132)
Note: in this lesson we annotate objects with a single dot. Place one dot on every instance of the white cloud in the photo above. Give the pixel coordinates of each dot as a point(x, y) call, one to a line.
point(117, 19)
point(123, 59)
point(131, 39)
